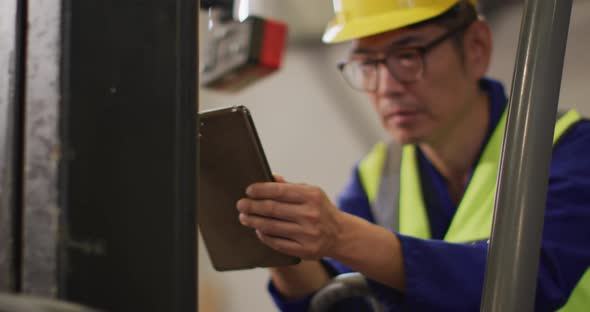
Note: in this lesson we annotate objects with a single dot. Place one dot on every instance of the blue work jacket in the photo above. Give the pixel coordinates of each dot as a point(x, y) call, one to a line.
point(442, 276)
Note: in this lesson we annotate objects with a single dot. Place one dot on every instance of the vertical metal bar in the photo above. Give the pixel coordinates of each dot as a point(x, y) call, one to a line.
point(512, 263)
point(10, 97)
point(41, 153)
point(128, 169)
point(185, 160)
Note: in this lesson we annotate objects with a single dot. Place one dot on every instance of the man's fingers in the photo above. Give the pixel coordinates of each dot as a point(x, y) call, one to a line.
point(268, 208)
point(284, 192)
point(270, 226)
point(283, 245)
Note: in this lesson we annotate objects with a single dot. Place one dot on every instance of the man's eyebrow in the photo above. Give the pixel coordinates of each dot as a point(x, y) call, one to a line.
point(405, 41)
point(363, 51)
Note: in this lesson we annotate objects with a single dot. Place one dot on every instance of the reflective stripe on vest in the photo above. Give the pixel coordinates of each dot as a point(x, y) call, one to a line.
point(473, 218)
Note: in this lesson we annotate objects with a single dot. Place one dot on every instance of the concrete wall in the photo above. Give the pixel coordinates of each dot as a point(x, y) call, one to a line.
point(506, 27)
point(314, 128)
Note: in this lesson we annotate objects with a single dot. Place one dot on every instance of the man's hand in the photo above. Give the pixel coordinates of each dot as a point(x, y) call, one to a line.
point(299, 220)
point(296, 219)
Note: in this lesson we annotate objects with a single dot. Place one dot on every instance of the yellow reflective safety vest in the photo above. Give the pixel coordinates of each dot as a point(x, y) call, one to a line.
point(391, 181)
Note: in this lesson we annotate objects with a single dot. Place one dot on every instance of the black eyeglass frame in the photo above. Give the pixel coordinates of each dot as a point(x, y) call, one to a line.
point(422, 51)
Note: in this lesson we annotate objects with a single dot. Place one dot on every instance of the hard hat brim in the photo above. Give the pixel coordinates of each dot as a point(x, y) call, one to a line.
point(341, 30)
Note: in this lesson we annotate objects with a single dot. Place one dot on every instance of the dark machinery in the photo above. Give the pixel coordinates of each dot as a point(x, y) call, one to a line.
point(239, 52)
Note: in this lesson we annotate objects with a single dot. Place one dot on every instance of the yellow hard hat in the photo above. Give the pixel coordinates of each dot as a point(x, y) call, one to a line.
point(360, 18)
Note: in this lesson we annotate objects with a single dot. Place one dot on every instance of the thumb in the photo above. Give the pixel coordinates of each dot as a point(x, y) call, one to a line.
point(279, 178)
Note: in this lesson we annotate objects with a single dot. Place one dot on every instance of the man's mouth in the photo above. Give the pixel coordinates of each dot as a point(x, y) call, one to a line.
point(402, 117)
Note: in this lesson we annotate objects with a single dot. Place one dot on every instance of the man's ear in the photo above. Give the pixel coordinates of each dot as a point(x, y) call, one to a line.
point(478, 48)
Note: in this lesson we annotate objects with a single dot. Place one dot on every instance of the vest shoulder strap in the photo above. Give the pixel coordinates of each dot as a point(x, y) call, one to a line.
point(386, 207)
point(379, 172)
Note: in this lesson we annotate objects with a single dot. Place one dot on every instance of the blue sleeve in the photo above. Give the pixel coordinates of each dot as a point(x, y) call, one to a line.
point(565, 253)
point(440, 276)
point(352, 200)
point(296, 305)
point(444, 276)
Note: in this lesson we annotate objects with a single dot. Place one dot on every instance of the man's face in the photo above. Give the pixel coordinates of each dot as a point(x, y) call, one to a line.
point(424, 110)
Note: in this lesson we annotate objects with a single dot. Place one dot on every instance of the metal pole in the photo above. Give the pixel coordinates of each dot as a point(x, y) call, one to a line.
point(41, 156)
point(512, 263)
point(11, 27)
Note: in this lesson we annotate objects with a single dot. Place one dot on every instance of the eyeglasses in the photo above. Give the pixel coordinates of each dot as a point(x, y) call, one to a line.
point(404, 64)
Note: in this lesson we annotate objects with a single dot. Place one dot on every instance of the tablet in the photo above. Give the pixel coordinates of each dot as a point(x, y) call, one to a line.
point(230, 159)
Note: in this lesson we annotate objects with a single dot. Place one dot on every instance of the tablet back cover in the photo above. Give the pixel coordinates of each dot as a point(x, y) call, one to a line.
point(231, 158)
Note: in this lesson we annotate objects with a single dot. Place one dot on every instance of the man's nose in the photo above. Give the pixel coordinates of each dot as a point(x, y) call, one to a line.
point(388, 84)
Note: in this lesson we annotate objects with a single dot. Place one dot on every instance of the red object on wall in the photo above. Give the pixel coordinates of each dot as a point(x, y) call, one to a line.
point(260, 47)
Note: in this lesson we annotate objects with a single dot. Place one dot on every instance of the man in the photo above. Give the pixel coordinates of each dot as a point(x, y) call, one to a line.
point(422, 65)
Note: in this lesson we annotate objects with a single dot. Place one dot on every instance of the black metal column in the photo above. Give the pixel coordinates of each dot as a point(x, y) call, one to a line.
point(110, 155)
